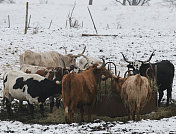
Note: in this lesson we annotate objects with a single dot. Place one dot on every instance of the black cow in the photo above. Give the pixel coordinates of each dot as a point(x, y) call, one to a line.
point(163, 70)
point(28, 87)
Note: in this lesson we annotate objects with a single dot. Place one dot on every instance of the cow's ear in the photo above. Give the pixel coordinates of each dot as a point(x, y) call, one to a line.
point(58, 82)
point(116, 78)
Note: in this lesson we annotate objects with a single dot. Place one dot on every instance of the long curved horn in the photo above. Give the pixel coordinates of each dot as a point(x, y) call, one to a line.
point(150, 57)
point(103, 64)
point(63, 63)
point(116, 76)
point(125, 58)
point(81, 53)
point(127, 72)
point(65, 50)
point(88, 61)
point(147, 72)
point(86, 65)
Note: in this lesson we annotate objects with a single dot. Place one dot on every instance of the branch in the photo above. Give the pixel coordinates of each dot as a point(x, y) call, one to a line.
point(73, 9)
point(144, 1)
point(119, 2)
point(129, 2)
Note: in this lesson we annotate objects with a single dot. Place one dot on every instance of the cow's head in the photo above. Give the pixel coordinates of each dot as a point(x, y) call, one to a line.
point(101, 72)
point(117, 83)
point(137, 65)
point(70, 59)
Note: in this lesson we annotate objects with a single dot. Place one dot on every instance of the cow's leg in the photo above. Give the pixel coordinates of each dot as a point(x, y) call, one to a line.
point(82, 113)
point(51, 99)
point(31, 108)
point(66, 114)
point(133, 114)
point(129, 114)
point(90, 112)
point(71, 116)
point(128, 111)
point(21, 105)
point(72, 110)
point(42, 109)
point(169, 91)
point(138, 114)
point(160, 96)
point(58, 99)
point(8, 106)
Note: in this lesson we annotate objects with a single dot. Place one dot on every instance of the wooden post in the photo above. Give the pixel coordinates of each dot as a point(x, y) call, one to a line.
point(90, 2)
point(29, 21)
point(9, 21)
point(50, 24)
point(92, 20)
point(26, 21)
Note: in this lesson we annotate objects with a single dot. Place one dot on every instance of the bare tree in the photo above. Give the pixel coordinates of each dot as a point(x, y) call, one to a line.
point(90, 2)
point(124, 2)
point(133, 2)
point(8, 1)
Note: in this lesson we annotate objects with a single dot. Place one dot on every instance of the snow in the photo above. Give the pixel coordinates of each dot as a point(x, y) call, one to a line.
point(140, 30)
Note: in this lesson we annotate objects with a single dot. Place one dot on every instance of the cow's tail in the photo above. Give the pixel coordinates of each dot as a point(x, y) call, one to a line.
point(66, 93)
point(138, 81)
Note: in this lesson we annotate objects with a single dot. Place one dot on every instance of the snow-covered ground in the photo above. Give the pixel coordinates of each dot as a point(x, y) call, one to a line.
point(140, 30)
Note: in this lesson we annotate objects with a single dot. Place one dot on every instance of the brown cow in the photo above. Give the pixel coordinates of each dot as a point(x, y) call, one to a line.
point(81, 89)
point(48, 72)
point(135, 92)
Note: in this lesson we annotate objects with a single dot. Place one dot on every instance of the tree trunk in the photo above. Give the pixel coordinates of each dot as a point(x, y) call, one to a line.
point(134, 2)
point(90, 2)
point(124, 2)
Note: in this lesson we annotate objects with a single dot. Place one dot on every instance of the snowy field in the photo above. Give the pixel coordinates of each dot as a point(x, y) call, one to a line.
point(140, 30)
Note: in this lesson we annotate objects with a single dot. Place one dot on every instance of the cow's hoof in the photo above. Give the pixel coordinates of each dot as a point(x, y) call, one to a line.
point(51, 111)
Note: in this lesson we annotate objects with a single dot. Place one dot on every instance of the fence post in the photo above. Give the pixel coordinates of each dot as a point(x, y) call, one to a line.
point(26, 21)
point(90, 2)
point(9, 21)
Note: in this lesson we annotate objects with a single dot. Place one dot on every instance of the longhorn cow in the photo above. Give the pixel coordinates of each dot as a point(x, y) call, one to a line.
point(135, 92)
point(49, 59)
point(88, 61)
point(163, 70)
point(81, 89)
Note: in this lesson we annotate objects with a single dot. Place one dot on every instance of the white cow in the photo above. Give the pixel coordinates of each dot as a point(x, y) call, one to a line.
point(49, 59)
point(88, 61)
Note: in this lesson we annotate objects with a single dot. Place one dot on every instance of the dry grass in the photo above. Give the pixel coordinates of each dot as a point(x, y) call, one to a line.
point(57, 116)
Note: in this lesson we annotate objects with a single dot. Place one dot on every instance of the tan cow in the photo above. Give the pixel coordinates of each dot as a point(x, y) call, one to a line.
point(48, 59)
point(135, 92)
point(81, 89)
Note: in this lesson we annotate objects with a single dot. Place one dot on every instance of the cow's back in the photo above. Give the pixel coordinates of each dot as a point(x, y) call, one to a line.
point(46, 59)
point(136, 89)
point(51, 59)
point(14, 84)
point(165, 73)
point(79, 87)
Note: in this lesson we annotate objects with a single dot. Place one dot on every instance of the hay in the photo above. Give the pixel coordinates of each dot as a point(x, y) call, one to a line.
point(153, 84)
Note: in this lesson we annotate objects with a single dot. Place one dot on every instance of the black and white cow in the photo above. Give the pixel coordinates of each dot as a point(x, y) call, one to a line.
point(33, 88)
point(50, 73)
point(163, 70)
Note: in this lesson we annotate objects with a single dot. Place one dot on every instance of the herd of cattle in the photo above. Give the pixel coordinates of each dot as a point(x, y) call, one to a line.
point(50, 74)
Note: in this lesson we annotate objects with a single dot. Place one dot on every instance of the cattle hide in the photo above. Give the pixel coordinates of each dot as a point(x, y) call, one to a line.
point(81, 89)
point(135, 92)
point(28, 87)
